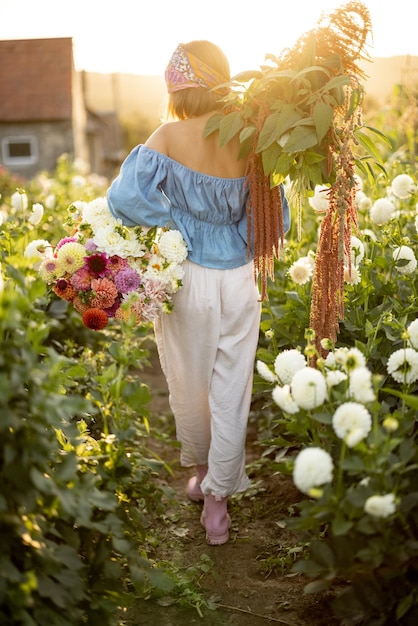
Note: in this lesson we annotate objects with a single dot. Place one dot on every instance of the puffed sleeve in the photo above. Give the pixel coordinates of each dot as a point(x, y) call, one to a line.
point(136, 196)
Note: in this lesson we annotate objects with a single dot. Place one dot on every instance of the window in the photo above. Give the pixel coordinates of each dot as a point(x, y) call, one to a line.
point(19, 150)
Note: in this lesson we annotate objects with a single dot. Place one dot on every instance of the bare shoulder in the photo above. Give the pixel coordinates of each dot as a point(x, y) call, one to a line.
point(159, 139)
point(184, 141)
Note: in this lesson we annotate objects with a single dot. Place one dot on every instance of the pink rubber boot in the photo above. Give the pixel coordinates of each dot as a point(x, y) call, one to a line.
point(193, 489)
point(215, 520)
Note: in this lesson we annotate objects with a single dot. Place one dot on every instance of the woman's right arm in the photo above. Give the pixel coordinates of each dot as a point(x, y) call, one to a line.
point(135, 196)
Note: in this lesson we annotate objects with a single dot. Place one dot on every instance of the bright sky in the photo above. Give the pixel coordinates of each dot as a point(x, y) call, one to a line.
point(139, 36)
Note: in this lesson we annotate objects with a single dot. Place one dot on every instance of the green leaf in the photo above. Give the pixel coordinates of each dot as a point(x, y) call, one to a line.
point(246, 133)
point(270, 158)
point(212, 124)
point(136, 396)
point(355, 101)
point(322, 418)
point(311, 157)
point(322, 554)
point(316, 586)
point(230, 126)
point(405, 604)
point(313, 173)
point(380, 134)
point(268, 133)
point(368, 145)
point(306, 567)
point(300, 139)
point(281, 168)
point(409, 399)
point(341, 526)
point(323, 115)
point(308, 70)
point(337, 81)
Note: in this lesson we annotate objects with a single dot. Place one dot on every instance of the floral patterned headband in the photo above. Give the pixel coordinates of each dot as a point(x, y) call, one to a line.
point(185, 70)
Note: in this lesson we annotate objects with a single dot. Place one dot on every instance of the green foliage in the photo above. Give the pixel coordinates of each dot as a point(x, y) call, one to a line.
point(79, 486)
point(300, 111)
point(372, 557)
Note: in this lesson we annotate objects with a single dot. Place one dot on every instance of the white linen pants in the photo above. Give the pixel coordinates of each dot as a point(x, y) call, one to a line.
point(207, 347)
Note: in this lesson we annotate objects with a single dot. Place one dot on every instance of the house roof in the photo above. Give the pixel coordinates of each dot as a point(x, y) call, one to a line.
point(36, 79)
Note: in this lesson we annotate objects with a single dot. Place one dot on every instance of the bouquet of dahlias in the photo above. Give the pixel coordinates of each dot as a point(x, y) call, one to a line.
point(107, 270)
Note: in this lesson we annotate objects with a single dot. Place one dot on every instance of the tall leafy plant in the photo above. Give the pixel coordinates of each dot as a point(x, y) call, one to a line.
point(299, 118)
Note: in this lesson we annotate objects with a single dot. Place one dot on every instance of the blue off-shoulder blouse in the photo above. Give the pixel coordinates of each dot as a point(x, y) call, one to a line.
point(211, 212)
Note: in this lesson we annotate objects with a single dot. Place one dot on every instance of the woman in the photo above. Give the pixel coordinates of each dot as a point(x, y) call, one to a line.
point(207, 345)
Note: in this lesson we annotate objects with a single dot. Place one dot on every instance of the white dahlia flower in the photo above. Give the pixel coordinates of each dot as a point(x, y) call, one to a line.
point(313, 468)
point(403, 186)
point(405, 253)
point(382, 211)
point(287, 363)
point(352, 423)
point(380, 506)
point(403, 365)
point(309, 388)
point(283, 398)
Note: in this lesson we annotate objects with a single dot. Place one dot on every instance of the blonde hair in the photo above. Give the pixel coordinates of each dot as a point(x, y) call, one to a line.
point(196, 101)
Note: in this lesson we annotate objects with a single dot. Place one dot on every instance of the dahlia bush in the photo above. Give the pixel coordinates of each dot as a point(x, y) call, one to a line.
point(79, 487)
point(347, 435)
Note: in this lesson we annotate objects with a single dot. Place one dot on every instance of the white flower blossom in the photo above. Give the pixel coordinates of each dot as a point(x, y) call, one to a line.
point(96, 213)
point(107, 239)
point(287, 363)
point(301, 271)
point(76, 209)
point(265, 372)
point(78, 181)
point(313, 468)
point(357, 251)
point(352, 275)
point(412, 329)
point(319, 201)
point(363, 202)
point(351, 422)
point(283, 398)
point(368, 234)
point(39, 248)
point(173, 246)
point(171, 277)
point(405, 253)
point(382, 211)
point(353, 358)
point(327, 343)
point(309, 388)
point(380, 506)
point(403, 186)
point(334, 378)
point(37, 214)
point(50, 201)
point(347, 358)
point(360, 386)
point(19, 201)
point(403, 365)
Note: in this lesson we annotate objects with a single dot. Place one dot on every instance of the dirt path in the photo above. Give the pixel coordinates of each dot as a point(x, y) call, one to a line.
point(240, 580)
